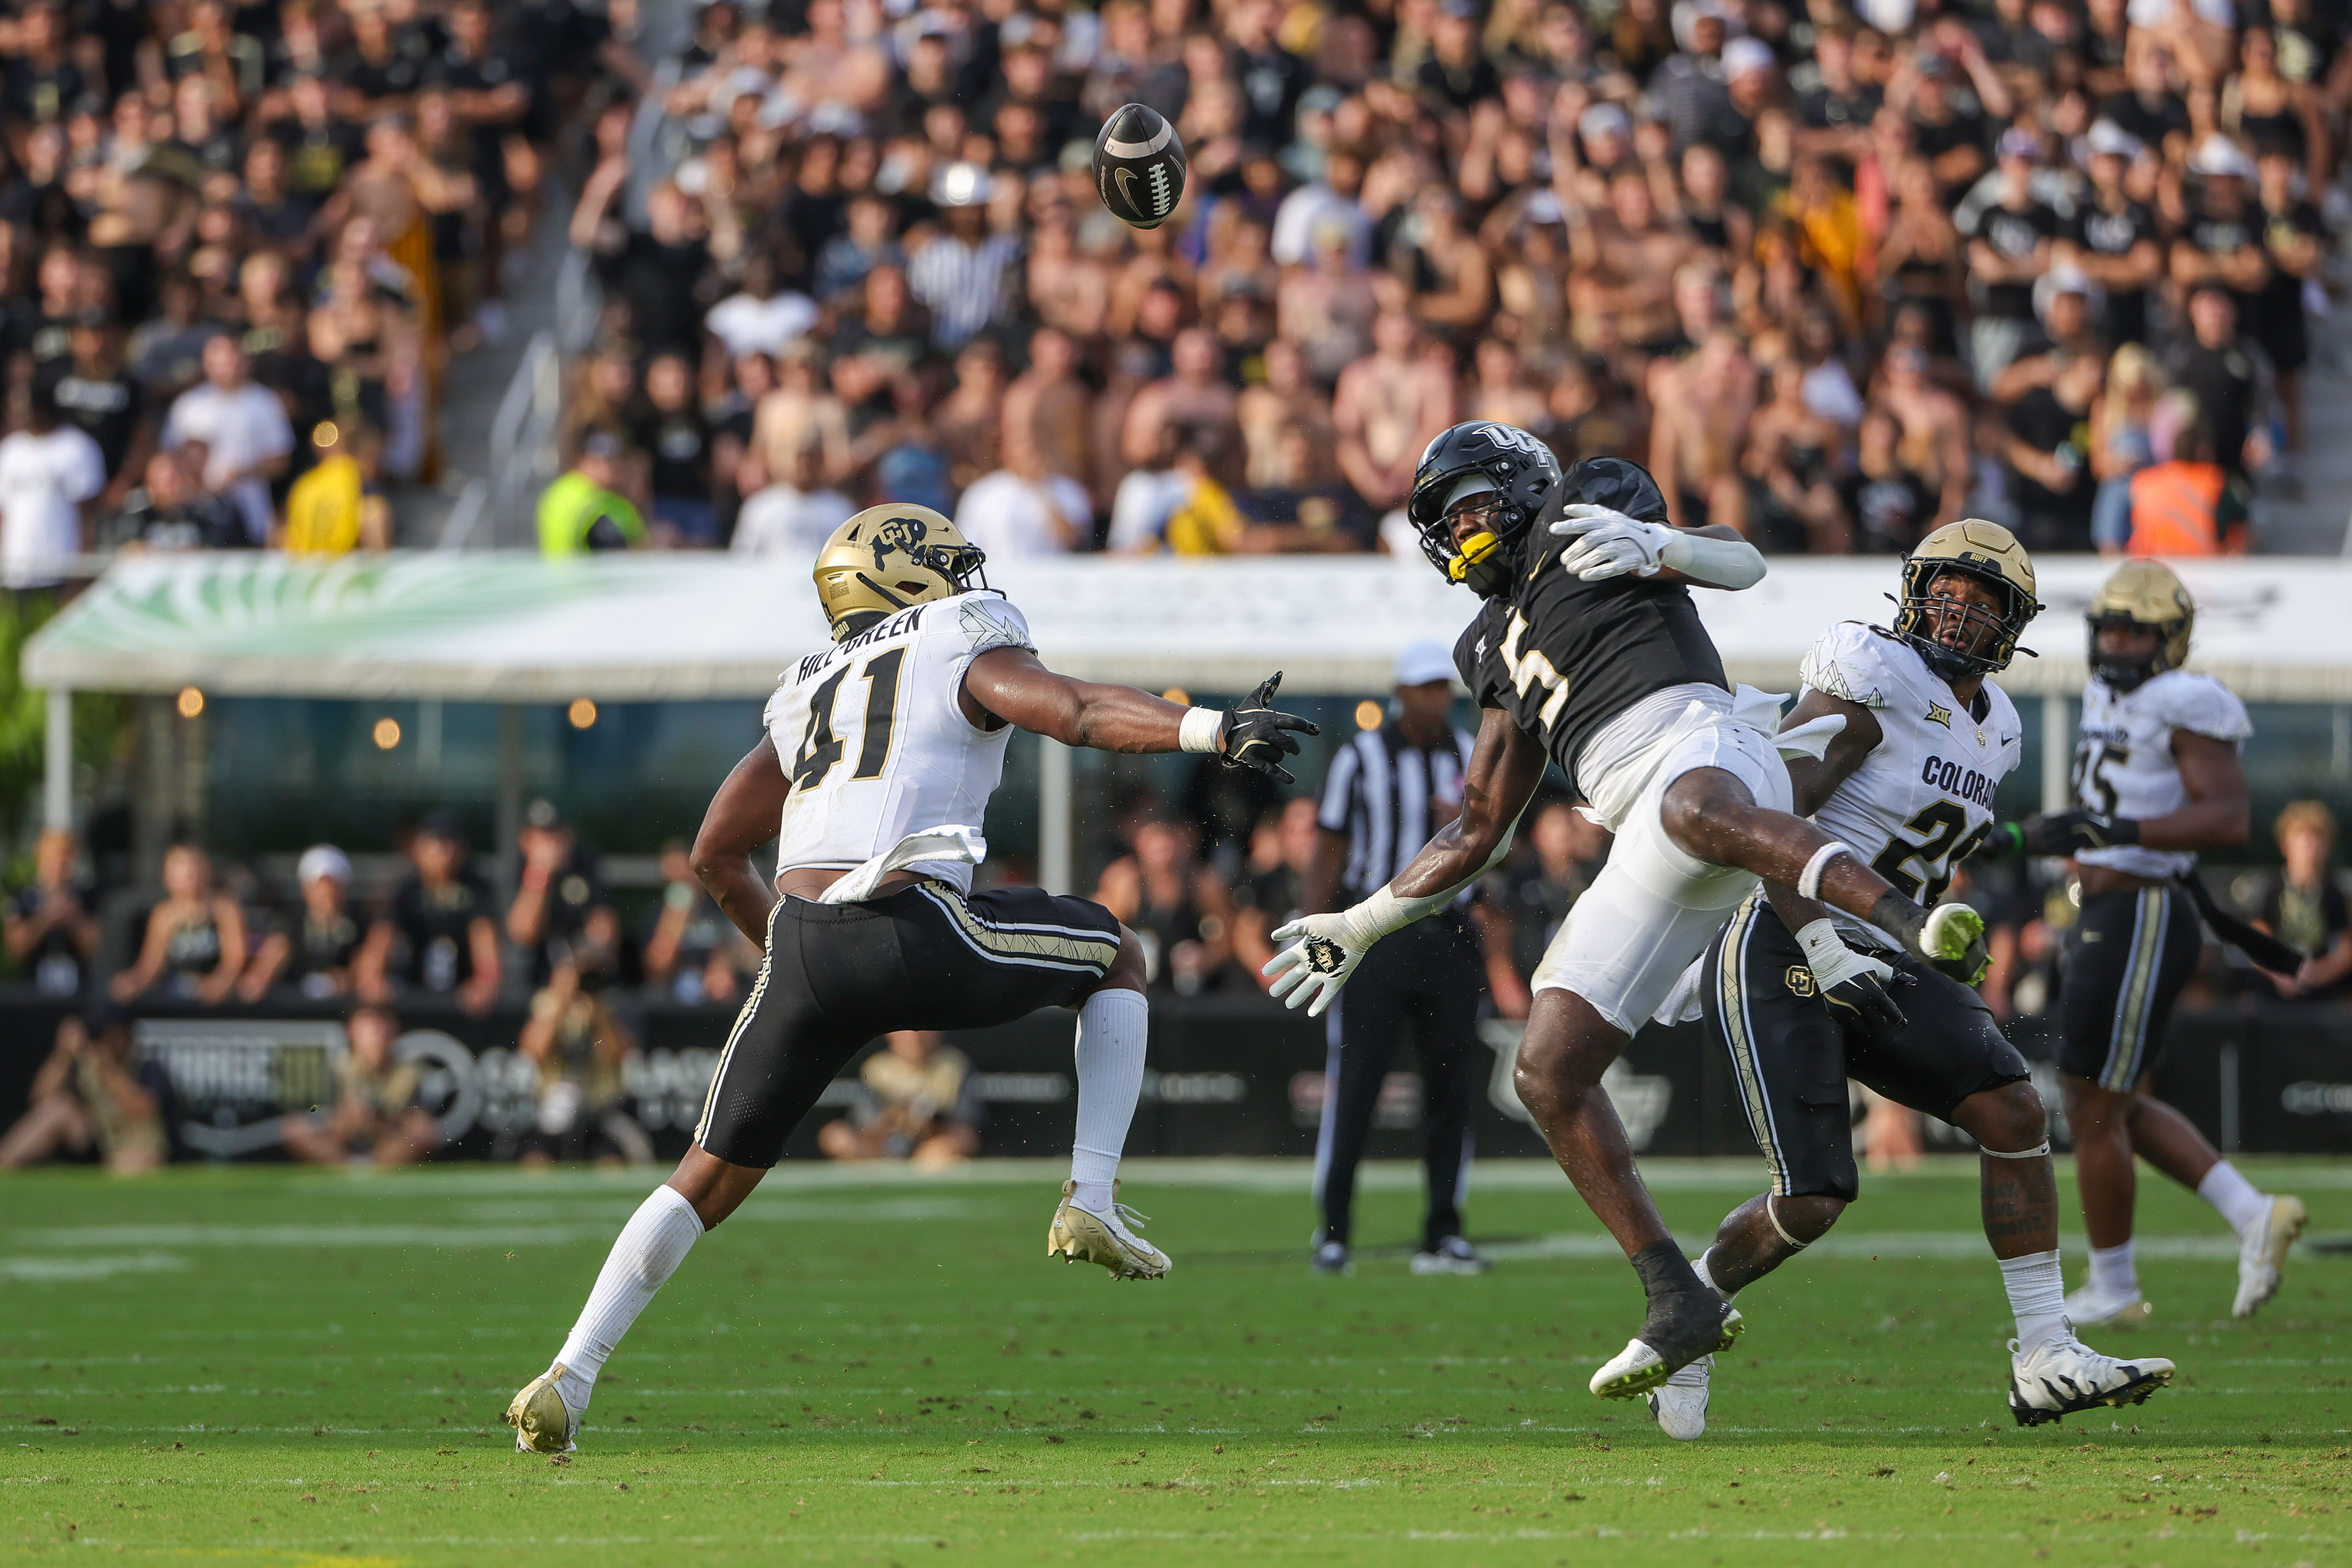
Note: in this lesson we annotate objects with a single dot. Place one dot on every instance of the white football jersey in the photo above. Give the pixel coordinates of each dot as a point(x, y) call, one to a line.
point(1924, 796)
point(876, 744)
point(2124, 764)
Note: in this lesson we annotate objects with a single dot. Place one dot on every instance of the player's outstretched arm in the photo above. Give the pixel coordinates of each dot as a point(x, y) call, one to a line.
point(1850, 981)
point(2216, 817)
point(1010, 684)
point(1505, 768)
point(1609, 544)
point(744, 814)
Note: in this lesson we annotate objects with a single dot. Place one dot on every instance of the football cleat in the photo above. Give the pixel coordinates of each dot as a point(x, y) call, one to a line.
point(1332, 1257)
point(543, 1424)
point(1679, 1403)
point(1683, 1337)
point(1081, 1236)
point(1451, 1256)
point(2261, 1253)
point(2089, 1308)
point(2058, 1377)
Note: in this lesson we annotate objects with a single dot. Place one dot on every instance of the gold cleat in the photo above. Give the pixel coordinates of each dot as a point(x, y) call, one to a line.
point(543, 1424)
point(1081, 1236)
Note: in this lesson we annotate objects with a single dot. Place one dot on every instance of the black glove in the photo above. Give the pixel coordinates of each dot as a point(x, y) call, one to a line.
point(1257, 736)
point(1866, 1003)
point(2060, 833)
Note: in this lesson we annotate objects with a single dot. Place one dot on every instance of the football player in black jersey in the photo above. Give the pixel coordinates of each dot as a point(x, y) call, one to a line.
point(1588, 652)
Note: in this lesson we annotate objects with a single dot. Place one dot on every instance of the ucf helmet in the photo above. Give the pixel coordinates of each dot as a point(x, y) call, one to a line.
point(1989, 553)
point(2141, 594)
point(1480, 462)
point(890, 557)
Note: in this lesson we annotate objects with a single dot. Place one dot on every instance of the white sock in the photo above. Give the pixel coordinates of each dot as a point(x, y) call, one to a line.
point(2237, 1198)
point(1708, 1279)
point(1113, 1027)
point(2111, 1271)
point(645, 1255)
point(2037, 1294)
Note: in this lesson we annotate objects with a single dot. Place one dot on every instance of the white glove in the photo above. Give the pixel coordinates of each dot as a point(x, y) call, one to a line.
point(1323, 951)
point(1854, 983)
point(1611, 544)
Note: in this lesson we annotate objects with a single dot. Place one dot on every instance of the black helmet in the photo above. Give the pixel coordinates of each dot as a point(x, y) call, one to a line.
point(1520, 472)
point(1617, 484)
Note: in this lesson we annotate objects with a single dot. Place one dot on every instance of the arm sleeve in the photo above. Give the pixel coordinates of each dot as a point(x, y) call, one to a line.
point(1338, 792)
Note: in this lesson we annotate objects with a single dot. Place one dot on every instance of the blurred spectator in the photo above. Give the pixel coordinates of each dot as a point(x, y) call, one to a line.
point(50, 933)
point(583, 511)
point(1388, 407)
point(243, 429)
point(690, 949)
point(172, 511)
point(50, 473)
point(94, 1092)
point(435, 937)
point(2230, 376)
point(375, 1116)
point(580, 1046)
point(193, 947)
point(2122, 443)
point(558, 893)
point(1178, 905)
point(918, 1102)
point(2186, 504)
point(337, 505)
point(671, 431)
point(1273, 891)
point(2305, 907)
point(1014, 512)
point(315, 955)
point(1538, 891)
point(783, 518)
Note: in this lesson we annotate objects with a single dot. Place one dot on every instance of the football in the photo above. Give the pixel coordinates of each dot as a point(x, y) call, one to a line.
point(1138, 167)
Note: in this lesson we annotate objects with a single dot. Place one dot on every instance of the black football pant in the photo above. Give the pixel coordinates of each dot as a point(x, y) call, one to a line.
point(1430, 976)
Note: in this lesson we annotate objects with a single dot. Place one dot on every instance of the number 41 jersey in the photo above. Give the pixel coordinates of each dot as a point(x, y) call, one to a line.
point(874, 741)
point(1922, 799)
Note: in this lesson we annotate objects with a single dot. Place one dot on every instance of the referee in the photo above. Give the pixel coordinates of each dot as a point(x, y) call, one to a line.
point(1388, 792)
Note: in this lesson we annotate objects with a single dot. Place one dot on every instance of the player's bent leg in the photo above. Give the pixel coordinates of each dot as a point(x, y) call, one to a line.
point(2099, 1119)
point(1091, 1224)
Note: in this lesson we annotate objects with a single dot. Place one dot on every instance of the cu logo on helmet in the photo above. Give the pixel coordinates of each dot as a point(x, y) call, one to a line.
point(901, 534)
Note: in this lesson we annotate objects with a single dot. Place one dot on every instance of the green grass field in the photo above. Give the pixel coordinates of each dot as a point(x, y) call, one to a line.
point(259, 1366)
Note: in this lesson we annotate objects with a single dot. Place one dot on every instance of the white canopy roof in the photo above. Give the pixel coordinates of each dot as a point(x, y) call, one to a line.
point(644, 627)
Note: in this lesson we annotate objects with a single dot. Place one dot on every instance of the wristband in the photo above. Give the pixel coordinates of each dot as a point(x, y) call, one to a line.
point(1200, 730)
point(1821, 944)
point(1809, 882)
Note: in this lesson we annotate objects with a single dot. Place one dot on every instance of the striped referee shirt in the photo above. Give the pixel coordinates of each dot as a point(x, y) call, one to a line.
point(964, 285)
point(1379, 793)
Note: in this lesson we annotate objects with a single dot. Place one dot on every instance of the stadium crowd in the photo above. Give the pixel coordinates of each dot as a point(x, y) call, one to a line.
point(1835, 274)
point(240, 243)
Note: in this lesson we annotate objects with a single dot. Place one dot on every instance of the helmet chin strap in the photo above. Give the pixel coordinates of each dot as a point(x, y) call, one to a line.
point(885, 592)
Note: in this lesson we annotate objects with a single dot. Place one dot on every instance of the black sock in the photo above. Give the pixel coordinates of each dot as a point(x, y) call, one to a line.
point(1664, 1270)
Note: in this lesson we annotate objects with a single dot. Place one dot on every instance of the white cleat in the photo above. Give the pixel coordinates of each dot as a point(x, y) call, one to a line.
point(1451, 1256)
point(1641, 1366)
point(1082, 1236)
point(2089, 1307)
point(2261, 1253)
point(2061, 1376)
point(543, 1423)
point(1679, 1403)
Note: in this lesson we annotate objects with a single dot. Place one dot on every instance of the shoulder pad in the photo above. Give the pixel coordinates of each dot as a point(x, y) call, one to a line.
point(1852, 662)
point(989, 620)
point(2194, 701)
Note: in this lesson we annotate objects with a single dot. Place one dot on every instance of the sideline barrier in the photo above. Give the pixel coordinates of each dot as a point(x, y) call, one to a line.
point(1227, 1077)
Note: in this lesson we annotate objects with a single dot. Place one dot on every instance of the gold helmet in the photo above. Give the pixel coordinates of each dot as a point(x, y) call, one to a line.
point(1989, 553)
point(890, 557)
point(2142, 594)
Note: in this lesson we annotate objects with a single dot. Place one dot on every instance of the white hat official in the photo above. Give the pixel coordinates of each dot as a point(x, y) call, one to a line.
point(1423, 662)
